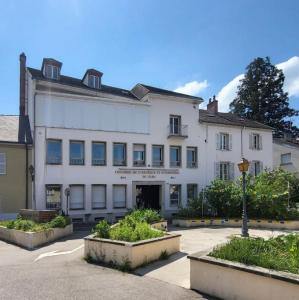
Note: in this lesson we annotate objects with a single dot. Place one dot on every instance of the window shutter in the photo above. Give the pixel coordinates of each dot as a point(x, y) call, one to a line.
point(77, 197)
point(231, 171)
point(250, 141)
point(217, 141)
point(261, 167)
point(260, 142)
point(217, 170)
point(119, 196)
point(99, 196)
point(251, 168)
point(230, 141)
point(2, 163)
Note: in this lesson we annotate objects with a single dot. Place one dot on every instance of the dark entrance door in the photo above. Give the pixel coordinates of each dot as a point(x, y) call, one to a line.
point(148, 196)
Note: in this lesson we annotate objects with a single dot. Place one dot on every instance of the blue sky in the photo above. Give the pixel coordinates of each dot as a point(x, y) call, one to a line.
point(198, 47)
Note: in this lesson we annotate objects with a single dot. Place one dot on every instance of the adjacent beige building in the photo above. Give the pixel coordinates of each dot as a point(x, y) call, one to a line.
point(286, 154)
point(16, 170)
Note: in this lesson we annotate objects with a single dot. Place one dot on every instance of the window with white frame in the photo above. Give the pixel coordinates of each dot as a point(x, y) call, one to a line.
point(192, 191)
point(255, 141)
point(256, 167)
point(285, 159)
point(224, 141)
point(119, 154)
point(191, 157)
point(175, 156)
point(51, 72)
point(157, 155)
point(53, 196)
point(224, 170)
point(175, 125)
point(76, 153)
point(2, 163)
point(175, 195)
point(76, 197)
point(119, 196)
point(138, 155)
point(93, 81)
point(98, 153)
point(98, 196)
point(54, 152)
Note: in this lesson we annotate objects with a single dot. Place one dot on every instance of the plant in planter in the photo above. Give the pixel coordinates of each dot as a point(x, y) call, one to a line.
point(145, 215)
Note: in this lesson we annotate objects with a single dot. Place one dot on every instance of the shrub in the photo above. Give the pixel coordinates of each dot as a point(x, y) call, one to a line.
point(145, 215)
point(280, 253)
point(59, 222)
point(129, 229)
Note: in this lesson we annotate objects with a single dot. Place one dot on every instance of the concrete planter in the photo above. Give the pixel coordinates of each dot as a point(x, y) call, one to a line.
point(229, 280)
point(161, 225)
point(137, 253)
point(271, 224)
point(31, 240)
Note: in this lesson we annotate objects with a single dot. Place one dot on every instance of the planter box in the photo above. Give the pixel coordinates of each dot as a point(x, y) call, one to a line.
point(38, 215)
point(31, 240)
point(162, 225)
point(271, 224)
point(137, 253)
point(230, 280)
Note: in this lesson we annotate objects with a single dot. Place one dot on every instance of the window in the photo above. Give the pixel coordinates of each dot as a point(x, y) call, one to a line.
point(256, 167)
point(225, 170)
point(53, 196)
point(98, 154)
point(158, 155)
point(119, 196)
point(192, 191)
point(175, 125)
point(93, 81)
point(2, 164)
point(285, 159)
point(51, 72)
point(191, 157)
point(175, 156)
point(76, 153)
point(54, 152)
point(175, 194)
point(119, 154)
point(77, 197)
point(255, 141)
point(98, 195)
point(224, 141)
point(138, 155)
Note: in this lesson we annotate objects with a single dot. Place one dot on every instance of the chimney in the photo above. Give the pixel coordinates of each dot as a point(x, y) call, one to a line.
point(212, 106)
point(22, 111)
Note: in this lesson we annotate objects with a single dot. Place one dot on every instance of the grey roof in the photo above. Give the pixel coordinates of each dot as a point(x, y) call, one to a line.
point(15, 129)
point(286, 142)
point(140, 90)
point(137, 93)
point(67, 80)
point(229, 119)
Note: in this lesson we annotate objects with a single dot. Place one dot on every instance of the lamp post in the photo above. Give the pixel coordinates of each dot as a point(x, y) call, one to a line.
point(243, 168)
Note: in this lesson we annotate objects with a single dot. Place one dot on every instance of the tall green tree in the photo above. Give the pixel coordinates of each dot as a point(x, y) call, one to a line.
point(261, 97)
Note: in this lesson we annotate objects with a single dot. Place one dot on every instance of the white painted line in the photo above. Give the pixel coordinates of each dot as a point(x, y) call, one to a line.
point(54, 253)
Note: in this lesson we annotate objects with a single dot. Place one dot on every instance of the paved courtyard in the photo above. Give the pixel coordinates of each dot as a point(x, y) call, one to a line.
point(58, 271)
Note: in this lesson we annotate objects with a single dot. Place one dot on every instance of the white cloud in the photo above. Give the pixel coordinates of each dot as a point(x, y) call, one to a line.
point(192, 88)
point(290, 69)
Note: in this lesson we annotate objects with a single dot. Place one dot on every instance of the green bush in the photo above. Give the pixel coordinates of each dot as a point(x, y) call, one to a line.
point(145, 215)
point(59, 222)
point(129, 229)
point(280, 253)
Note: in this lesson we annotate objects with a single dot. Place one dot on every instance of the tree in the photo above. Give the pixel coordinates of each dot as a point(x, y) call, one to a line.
point(260, 97)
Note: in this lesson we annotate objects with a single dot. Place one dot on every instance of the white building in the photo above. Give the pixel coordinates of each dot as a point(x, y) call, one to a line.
point(116, 148)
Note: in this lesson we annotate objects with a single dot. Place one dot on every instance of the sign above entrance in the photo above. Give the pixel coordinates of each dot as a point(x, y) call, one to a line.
point(147, 171)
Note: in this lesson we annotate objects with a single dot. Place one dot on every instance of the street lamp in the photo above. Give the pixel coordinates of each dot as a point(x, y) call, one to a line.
point(243, 168)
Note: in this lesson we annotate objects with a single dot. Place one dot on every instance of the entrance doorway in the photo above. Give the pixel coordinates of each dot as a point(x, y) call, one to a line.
point(148, 196)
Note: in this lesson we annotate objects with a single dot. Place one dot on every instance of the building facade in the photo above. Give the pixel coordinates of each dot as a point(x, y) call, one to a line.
point(101, 150)
point(15, 161)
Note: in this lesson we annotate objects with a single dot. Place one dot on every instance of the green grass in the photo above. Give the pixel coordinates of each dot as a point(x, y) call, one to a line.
point(280, 253)
point(129, 229)
point(31, 226)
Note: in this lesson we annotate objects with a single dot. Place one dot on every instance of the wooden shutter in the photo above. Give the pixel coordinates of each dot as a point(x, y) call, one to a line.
point(251, 168)
point(218, 141)
point(231, 171)
point(230, 142)
point(250, 141)
point(217, 170)
point(261, 167)
point(260, 142)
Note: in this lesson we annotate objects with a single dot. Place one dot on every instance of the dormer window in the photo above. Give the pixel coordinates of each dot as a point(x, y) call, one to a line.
point(92, 78)
point(51, 68)
point(93, 81)
point(51, 72)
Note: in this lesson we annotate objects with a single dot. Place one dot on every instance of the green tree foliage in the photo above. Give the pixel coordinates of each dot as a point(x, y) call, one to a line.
point(261, 97)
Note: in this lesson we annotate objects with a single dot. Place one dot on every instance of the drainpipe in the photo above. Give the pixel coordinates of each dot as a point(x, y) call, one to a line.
point(242, 153)
point(33, 148)
point(26, 171)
